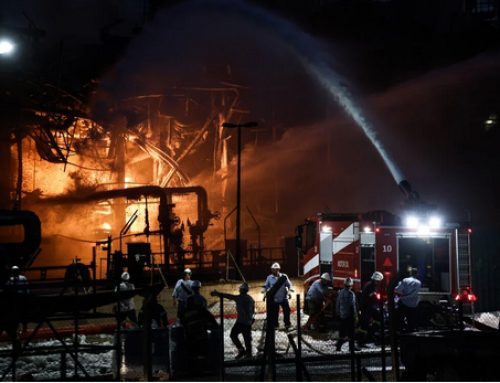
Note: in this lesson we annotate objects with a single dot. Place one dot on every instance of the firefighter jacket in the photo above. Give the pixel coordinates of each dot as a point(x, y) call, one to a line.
point(316, 292)
point(245, 307)
point(126, 304)
point(369, 295)
point(282, 293)
point(20, 283)
point(183, 290)
point(408, 289)
point(346, 304)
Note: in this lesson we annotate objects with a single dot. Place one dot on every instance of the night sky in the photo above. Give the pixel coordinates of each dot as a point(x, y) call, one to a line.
point(427, 85)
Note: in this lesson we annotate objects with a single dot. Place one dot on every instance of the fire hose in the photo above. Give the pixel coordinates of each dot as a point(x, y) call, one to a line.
point(315, 317)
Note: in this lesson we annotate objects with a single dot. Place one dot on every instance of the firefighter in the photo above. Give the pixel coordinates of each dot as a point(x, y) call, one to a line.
point(407, 290)
point(182, 291)
point(369, 306)
point(245, 307)
point(280, 298)
point(158, 314)
point(348, 312)
point(198, 299)
point(19, 283)
point(126, 307)
point(315, 297)
point(198, 323)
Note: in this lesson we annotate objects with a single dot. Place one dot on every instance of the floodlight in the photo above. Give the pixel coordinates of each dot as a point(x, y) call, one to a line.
point(6, 47)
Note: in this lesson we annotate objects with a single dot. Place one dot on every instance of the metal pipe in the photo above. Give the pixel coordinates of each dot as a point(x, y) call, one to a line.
point(299, 339)
point(221, 304)
point(225, 241)
point(382, 331)
point(256, 224)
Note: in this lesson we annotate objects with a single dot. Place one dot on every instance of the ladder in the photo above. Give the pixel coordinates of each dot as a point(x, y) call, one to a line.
point(463, 261)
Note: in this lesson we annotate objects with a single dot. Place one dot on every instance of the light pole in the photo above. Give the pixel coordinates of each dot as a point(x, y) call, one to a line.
point(238, 184)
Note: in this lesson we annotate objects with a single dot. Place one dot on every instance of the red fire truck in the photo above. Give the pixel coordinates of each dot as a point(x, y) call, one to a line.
point(355, 245)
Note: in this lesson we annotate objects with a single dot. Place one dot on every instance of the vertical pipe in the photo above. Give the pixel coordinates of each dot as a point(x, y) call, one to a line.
point(108, 256)
point(63, 366)
point(5, 168)
point(238, 201)
point(75, 342)
point(147, 340)
point(358, 361)
point(19, 189)
point(382, 339)
point(94, 276)
point(298, 357)
point(222, 372)
point(353, 355)
point(118, 338)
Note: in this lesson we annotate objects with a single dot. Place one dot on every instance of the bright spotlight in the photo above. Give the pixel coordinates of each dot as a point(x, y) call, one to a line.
point(6, 47)
point(412, 222)
point(327, 229)
point(435, 222)
point(367, 229)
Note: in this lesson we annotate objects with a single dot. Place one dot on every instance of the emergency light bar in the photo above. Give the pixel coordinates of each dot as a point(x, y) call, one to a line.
point(423, 223)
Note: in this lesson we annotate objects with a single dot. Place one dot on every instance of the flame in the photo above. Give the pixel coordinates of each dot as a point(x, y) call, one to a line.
point(105, 226)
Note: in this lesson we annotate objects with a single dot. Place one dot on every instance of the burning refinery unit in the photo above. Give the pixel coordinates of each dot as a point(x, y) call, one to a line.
point(128, 191)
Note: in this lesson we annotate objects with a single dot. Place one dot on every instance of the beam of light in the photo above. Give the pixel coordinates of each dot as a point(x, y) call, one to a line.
point(309, 53)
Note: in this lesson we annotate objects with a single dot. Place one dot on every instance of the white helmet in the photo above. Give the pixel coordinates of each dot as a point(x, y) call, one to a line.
point(348, 282)
point(275, 265)
point(326, 277)
point(15, 268)
point(377, 276)
point(125, 276)
point(196, 284)
point(187, 271)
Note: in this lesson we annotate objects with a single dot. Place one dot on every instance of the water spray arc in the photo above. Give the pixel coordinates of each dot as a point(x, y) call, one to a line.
point(310, 54)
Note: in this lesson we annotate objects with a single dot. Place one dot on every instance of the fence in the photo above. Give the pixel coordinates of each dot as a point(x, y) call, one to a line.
point(73, 335)
point(212, 265)
point(53, 331)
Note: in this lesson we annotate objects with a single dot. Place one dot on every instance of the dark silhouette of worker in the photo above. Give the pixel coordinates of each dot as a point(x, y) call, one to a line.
point(370, 305)
point(13, 306)
point(197, 322)
point(19, 284)
point(157, 313)
point(182, 291)
point(245, 307)
point(348, 313)
point(197, 298)
point(127, 305)
point(315, 298)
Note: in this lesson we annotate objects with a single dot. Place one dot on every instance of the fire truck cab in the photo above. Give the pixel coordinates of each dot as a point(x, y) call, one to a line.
point(355, 245)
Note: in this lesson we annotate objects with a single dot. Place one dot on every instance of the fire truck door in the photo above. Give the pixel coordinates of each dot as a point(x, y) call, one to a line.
point(367, 263)
point(325, 247)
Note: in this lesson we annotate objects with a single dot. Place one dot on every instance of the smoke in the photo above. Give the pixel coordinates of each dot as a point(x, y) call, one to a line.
point(330, 162)
point(307, 50)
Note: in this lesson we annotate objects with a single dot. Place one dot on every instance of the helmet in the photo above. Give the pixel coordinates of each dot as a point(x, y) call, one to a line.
point(125, 276)
point(348, 282)
point(326, 277)
point(377, 276)
point(196, 284)
point(244, 286)
point(275, 265)
point(15, 268)
point(187, 271)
